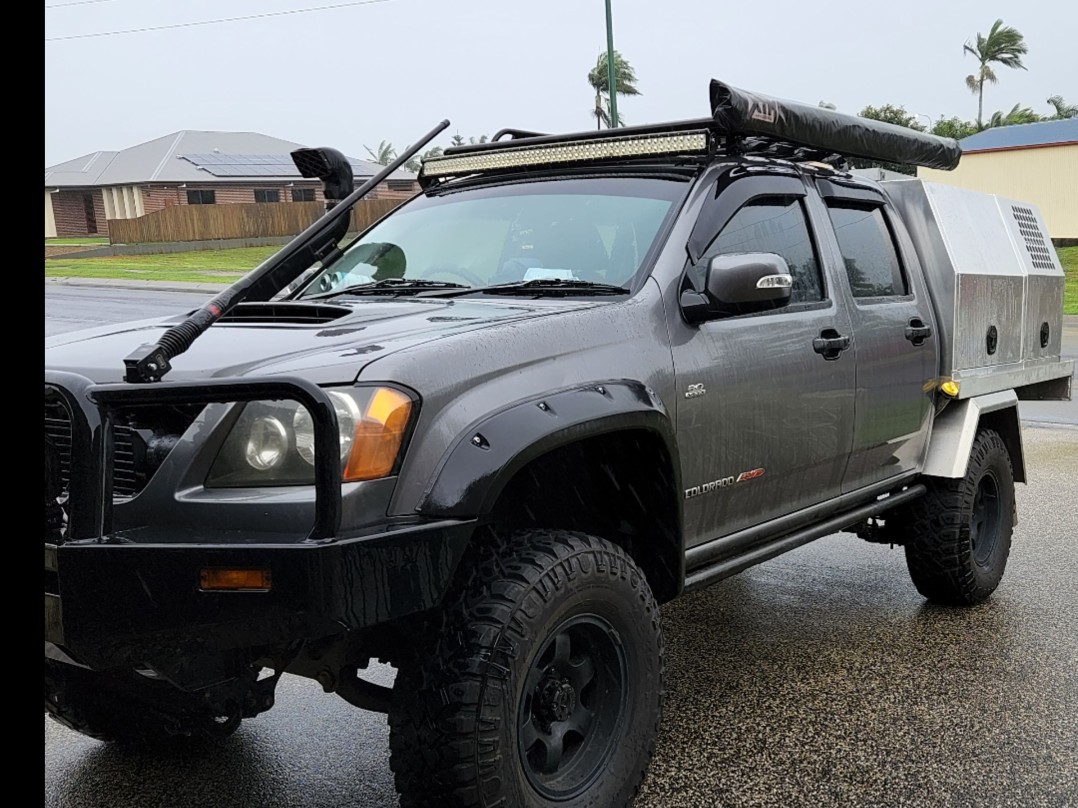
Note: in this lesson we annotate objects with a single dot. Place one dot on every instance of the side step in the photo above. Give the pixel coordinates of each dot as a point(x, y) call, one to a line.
point(727, 566)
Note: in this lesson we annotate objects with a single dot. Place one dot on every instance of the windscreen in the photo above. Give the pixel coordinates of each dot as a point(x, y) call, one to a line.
point(596, 229)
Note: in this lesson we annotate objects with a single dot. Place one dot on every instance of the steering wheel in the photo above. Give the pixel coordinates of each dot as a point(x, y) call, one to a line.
point(463, 274)
point(329, 281)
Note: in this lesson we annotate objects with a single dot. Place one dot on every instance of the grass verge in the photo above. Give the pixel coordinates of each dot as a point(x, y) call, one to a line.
point(76, 242)
point(1068, 257)
point(206, 266)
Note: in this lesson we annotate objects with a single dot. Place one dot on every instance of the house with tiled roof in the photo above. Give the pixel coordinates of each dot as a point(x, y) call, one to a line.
point(186, 168)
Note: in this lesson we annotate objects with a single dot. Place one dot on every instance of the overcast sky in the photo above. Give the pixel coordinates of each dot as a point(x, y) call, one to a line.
point(391, 69)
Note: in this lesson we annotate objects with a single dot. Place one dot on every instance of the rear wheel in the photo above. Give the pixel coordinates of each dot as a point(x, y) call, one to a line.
point(959, 534)
point(545, 684)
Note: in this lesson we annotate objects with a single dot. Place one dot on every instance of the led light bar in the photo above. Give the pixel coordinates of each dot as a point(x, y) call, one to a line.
point(575, 151)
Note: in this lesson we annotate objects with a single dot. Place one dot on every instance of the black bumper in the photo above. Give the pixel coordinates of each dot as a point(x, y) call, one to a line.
point(123, 605)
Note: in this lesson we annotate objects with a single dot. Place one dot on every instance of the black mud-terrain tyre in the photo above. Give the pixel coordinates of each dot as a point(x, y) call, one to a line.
point(959, 534)
point(544, 686)
point(129, 708)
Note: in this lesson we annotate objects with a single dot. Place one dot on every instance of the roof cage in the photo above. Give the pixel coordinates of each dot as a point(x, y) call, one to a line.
point(741, 124)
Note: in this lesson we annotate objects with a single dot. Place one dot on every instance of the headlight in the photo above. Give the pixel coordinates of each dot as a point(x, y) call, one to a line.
point(267, 443)
point(348, 416)
point(272, 442)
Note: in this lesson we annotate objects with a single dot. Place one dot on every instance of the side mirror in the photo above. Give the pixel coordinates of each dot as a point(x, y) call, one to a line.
point(740, 283)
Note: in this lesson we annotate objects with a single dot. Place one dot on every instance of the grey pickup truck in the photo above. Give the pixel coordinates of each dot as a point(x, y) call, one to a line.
point(573, 378)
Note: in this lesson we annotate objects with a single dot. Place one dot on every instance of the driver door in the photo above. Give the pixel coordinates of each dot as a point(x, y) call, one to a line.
point(764, 421)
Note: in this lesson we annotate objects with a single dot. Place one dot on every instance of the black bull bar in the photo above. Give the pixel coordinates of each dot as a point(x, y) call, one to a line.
point(92, 407)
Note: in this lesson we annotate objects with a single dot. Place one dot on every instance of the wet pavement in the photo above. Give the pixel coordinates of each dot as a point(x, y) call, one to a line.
point(820, 678)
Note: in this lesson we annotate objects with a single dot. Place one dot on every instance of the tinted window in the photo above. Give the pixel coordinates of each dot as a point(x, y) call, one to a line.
point(303, 194)
point(868, 251)
point(267, 195)
point(775, 225)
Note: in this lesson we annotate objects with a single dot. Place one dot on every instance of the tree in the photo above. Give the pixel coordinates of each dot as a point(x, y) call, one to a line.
point(458, 140)
point(888, 113)
point(1016, 115)
point(384, 154)
point(599, 79)
point(1062, 109)
point(954, 127)
point(1004, 45)
point(602, 112)
point(416, 162)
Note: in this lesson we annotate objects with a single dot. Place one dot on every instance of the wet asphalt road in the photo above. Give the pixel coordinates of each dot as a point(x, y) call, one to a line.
point(820, 678)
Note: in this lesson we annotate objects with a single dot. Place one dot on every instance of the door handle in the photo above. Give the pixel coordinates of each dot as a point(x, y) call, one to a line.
point(830, 344)
point(917, 332)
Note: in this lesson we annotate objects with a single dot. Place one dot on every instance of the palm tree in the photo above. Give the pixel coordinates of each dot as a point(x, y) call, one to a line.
point(384, 154)
point(1062, 108)
point(624, 83)
point(416, 162)
point(1003, 45)
point(602, 112)
point(1016, 115)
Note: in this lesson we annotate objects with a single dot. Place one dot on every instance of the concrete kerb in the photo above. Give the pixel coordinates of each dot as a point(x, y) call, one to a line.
point(123, 283)
point(168, 247)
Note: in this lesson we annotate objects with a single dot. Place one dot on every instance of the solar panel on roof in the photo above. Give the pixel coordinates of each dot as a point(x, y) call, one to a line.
point(258, 165)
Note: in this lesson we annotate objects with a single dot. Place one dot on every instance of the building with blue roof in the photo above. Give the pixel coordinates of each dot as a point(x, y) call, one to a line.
point(1031, 162)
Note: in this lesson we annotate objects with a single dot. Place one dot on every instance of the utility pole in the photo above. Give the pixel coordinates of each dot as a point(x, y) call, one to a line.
point(611, 81)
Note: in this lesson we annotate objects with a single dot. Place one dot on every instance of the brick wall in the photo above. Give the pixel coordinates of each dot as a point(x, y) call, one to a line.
point(383, 192)
point(69, 210)
point(157, 197)
point(99, 214)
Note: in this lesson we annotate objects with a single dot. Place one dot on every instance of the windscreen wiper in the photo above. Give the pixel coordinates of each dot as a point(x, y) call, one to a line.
point(542, 286)
point(390, 286)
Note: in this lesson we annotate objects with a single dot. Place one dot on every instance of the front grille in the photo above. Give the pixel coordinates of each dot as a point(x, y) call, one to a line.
point(58, 431)
point(126, 479)
point(142, 439)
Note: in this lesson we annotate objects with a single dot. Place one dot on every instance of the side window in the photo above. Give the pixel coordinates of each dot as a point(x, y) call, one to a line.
point(775, 224)
point(204, 197)
point(868, 250)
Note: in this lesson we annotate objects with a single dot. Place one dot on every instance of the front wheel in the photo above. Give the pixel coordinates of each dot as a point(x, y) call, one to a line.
point(544, 687)
point(959, 535)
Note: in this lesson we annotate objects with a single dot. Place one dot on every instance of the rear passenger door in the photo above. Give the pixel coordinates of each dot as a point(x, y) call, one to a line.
point(894, 340)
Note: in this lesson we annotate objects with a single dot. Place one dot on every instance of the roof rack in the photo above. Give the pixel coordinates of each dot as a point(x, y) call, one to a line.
point(737, 112)
point(742, 124)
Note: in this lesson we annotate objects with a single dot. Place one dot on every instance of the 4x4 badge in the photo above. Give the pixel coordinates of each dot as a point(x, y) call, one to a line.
point(695, 391)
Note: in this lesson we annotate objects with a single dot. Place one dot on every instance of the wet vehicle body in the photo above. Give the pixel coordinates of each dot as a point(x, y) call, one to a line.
point(572, 379)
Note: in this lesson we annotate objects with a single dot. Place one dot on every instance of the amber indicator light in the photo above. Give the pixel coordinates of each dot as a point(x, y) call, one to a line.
point(215, 579)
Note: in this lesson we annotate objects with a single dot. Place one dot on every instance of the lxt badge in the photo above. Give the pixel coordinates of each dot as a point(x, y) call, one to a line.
point(724, 482)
